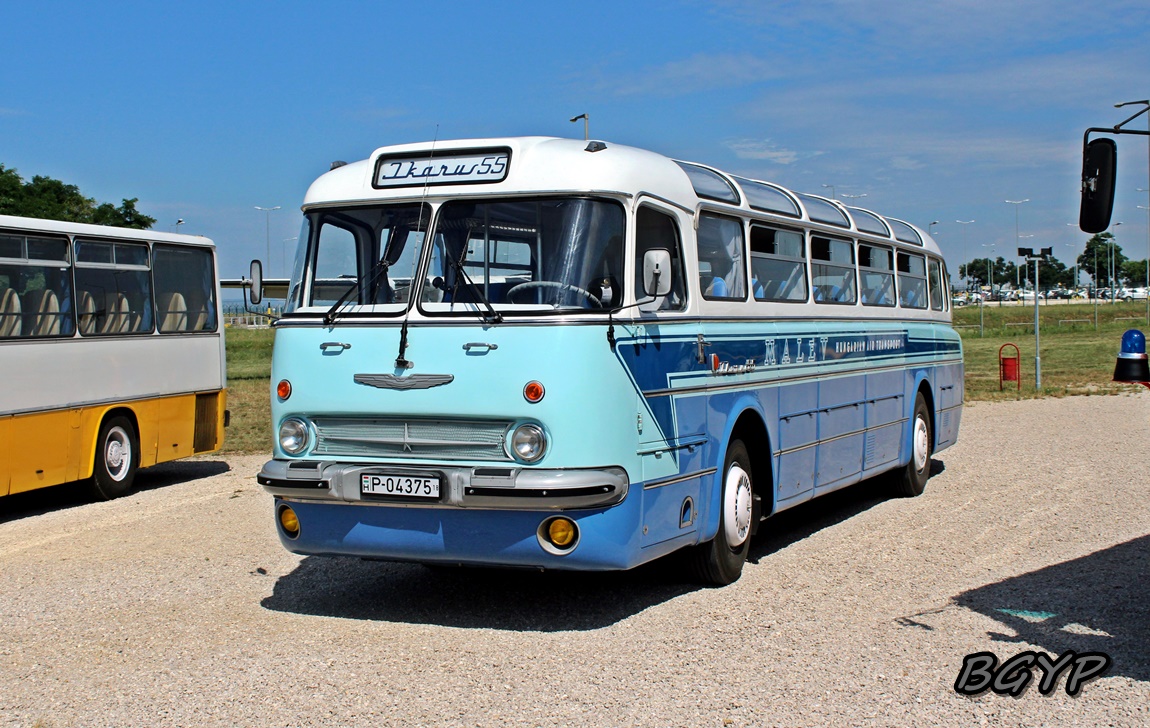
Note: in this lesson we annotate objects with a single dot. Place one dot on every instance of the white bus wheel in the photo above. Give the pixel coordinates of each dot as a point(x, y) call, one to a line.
point(911, 480)
point(117, 458)
point(720, 561)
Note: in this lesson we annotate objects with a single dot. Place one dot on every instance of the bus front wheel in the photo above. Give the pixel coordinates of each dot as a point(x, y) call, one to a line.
point(117, 457)
point(720, 561)
point(911, 480)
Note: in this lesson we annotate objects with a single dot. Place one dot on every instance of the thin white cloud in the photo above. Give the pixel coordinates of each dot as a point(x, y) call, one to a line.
point(766, 151)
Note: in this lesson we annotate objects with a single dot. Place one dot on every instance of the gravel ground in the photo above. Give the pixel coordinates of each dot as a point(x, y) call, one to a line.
point(178, 607)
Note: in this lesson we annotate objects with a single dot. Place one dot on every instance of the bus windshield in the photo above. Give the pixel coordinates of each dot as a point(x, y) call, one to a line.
point(360, 256)
point(526, 256)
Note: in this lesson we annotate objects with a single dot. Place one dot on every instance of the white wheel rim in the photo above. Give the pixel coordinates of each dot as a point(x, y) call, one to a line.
point(921, 443)
point(737, 506)
point(118, 453)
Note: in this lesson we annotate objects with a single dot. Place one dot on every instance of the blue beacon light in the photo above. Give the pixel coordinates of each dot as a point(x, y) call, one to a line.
point(1132, 363)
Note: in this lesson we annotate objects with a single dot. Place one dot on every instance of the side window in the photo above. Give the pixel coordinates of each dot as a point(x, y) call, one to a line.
point(832, 270)
point(778, 265)
point(936, 292)
point(656, 230)
point(35, 287)
point(876, 271)
point(721, 268)
point(185, 289)
point(113, 288)
point(911, 281)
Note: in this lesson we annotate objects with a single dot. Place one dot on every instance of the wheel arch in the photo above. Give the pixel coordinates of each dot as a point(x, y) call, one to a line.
point(750, 427)
point(99, 417)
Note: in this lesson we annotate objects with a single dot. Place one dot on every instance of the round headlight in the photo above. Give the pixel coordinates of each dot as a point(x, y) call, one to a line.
point(293, 436)
point(527, 443)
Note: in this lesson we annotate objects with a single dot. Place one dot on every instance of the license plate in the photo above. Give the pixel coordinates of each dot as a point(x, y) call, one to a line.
point(407, 486)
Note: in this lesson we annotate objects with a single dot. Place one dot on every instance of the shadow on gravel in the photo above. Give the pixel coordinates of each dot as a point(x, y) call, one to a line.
point(530, 601)
point(469, 597)
point(795, 524)
point(1100, 602)
point(71, 495)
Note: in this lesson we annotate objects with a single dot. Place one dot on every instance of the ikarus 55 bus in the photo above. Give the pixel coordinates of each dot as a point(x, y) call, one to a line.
point(561, 354)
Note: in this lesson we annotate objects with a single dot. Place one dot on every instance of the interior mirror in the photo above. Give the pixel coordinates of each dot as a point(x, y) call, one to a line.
point(1099, 161)
point(656, 272)
point(256, 291)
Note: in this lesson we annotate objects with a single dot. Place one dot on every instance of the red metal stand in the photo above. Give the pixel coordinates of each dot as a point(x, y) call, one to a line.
point(1009, 367)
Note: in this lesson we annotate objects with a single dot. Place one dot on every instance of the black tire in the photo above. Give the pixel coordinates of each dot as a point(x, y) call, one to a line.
point(720, 561)
point(911, 480)
point(117, 459)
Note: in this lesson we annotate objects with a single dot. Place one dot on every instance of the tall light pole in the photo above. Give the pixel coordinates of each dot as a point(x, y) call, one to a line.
point(1074, 247)
point(964, 223)
point(176, 227)
point(268, 229)
point(990, 274)
point(1017, 204)
point(1112, 266)
point(832, 191)
point(1145, 102)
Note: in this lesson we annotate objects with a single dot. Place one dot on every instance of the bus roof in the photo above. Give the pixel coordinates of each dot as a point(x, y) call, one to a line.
point(34, 224)
point(549, 165)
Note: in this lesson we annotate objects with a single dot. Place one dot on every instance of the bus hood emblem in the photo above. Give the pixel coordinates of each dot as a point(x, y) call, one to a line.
point(414, 381)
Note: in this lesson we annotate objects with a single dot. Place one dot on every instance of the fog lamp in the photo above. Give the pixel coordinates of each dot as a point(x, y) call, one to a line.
point(561, 532)
point(289, 522)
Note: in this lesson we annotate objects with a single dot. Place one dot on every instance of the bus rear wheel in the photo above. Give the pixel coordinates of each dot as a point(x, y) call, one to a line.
point(911, 480)
point(117, 458)
point(720, 561)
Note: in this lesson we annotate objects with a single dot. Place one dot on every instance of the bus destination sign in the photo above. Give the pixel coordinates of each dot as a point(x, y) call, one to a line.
point(471, 168)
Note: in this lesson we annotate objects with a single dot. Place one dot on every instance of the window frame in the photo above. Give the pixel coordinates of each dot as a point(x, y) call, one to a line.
point(802, 260)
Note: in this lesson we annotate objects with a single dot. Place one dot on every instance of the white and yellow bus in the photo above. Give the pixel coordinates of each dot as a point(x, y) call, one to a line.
point(111, 353)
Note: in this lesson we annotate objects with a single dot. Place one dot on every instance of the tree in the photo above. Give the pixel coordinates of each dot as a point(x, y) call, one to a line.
point(51, 199)
point(1096, 259)
point(1134, 273)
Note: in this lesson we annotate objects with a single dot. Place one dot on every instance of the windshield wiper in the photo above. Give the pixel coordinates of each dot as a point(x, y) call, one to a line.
point(379, 269)
point(492, 316)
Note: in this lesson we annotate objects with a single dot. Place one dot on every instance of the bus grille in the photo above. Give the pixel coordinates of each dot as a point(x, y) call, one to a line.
point(411, 438)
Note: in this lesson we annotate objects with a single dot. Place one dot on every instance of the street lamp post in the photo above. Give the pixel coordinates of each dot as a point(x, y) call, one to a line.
point(1146, 102)
point(268, 228)
point(964, 223)
point(990, 284)
point(832, 187)
point(1147, 209)
point(1017, 204)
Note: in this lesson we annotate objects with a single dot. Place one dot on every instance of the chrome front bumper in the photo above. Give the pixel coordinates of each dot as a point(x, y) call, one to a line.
point(499, 487)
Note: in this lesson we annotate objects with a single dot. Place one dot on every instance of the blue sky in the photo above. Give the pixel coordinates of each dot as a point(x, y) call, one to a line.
point(934, 111)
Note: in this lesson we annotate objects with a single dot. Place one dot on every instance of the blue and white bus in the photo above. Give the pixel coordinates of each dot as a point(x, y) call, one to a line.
point(557, 354)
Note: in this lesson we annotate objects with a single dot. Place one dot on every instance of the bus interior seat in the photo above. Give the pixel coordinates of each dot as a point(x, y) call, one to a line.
point(10, 323)
point(86, 313)
point(116, 315)
point(199, 322)
point(173, 312)
point(42, 312)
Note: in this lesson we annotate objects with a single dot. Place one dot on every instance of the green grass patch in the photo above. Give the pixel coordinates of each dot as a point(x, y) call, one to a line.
point(249, 353)
point(1076, 357)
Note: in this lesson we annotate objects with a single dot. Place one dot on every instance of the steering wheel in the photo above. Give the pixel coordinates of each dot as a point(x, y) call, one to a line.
point(555, 284)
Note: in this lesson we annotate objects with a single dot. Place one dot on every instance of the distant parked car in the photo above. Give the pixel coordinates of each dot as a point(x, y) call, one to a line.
point(1133, 294)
